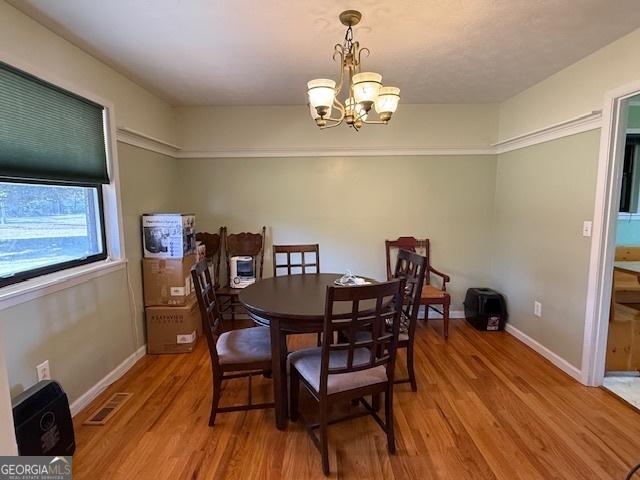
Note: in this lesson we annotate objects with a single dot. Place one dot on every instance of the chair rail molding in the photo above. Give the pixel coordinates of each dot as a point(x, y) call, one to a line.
point(582, 123)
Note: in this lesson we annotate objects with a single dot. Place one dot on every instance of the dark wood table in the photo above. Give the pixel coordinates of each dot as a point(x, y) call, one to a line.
point(289, 304)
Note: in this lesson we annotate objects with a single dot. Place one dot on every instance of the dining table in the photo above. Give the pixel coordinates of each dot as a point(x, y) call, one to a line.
point(290, 304)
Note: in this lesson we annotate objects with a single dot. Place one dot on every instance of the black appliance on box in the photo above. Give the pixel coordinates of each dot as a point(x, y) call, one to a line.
point(485, 309)
point(42, 421)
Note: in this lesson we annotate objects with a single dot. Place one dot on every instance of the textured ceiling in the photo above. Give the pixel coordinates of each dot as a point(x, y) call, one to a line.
point(262, 52)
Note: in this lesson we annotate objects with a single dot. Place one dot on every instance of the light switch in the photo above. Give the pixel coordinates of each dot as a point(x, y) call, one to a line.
point(586, 228)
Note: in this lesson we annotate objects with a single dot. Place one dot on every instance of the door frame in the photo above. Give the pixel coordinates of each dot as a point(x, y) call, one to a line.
point(605, 215)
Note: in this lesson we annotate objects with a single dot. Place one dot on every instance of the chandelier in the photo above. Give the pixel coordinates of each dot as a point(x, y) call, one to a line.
point(363, 90)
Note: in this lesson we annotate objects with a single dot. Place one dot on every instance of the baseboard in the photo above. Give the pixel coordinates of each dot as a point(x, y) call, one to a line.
point(557, 360)
point(86, 398)
point(435, 316)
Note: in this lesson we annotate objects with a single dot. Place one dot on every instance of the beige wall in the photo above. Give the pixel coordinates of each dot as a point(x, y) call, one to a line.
point(291, 127)
point(573, 91)
point(351, 205)
point(23, 40)
point(543, 194)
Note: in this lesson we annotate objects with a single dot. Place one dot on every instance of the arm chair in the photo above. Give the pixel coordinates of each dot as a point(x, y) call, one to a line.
point(213, 249)
point(432, 297)
point(351, 370)
point(238, 244)
point(236, 353)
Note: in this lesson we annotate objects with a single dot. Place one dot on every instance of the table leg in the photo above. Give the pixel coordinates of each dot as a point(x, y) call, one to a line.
point(279, 366)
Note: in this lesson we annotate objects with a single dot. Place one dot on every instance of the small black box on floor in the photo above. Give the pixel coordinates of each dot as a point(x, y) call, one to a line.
point(485, 309)
point(43, 421)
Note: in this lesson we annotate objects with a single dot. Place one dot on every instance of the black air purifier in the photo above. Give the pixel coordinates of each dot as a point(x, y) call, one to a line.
point(485, 309)
point(42, 421)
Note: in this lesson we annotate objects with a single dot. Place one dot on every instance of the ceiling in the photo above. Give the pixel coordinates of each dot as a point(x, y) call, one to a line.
point(262, 52)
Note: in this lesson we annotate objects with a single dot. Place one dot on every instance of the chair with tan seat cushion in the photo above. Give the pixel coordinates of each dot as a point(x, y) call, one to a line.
point(433, 298)
point(238, 353)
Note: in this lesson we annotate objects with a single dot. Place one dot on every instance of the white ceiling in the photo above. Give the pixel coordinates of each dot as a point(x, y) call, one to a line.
point(262, 52)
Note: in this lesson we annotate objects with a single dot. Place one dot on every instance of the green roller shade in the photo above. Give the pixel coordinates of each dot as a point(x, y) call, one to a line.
point(47, 133)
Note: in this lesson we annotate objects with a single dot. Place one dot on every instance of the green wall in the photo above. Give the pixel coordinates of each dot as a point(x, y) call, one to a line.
point(543, 194)
point(350, 205)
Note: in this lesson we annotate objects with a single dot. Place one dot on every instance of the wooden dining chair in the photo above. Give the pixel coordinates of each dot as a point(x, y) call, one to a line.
point(213, 250)
point(432, 297)
point(287, 251)
point(348, 370)
point(234, 354)
point(240, 244)
point(412, 267)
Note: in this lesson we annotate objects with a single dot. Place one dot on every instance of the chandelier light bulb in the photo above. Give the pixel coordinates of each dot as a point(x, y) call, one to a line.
point(366, 86)
point(387, 102)
point(322, 92)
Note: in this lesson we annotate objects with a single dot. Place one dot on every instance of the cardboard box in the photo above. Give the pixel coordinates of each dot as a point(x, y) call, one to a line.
point(173, 329)
point(168, 235)
point(168, 281)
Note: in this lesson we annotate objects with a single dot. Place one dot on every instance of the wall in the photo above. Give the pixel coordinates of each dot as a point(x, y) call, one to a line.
point(543, 194)
point(351, 205)
point(87, 330)
point(573, 91)
point(291, 128)
point(7, 437)
point(148, 185)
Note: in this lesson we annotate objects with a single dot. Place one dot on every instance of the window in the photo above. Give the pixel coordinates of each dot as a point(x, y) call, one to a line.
point(53, 166)
point(630, 189)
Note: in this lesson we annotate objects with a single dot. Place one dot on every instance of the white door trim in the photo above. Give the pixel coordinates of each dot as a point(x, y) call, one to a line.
point(605, 216)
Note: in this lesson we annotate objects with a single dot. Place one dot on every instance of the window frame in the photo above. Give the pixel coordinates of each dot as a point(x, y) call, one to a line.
point(45, 284)
point(19, 277)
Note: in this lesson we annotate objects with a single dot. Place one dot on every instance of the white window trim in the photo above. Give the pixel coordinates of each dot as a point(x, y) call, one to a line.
point(36, 287)
point(628, 216)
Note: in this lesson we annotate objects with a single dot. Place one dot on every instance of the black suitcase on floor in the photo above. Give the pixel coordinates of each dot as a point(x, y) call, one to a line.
point(485, 309)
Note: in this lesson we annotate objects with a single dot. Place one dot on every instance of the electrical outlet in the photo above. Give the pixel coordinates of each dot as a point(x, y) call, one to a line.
point(43, 371)
point(537, 309)
point(586, 228)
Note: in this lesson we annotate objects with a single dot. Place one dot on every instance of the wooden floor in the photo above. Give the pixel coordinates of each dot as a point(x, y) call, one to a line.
point(487, 407)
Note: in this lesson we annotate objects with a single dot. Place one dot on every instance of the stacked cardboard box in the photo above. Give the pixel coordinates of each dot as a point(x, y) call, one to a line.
point(172, 314)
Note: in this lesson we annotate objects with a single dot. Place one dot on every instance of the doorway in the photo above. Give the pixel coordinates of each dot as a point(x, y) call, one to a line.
point(622, 360)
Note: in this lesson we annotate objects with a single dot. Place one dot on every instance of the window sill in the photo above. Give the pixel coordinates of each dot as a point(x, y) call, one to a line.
point(628, 216)
point(54, 282)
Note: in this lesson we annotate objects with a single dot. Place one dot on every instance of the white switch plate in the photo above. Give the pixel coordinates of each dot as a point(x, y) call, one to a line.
point(43, 371)
point(537, 309)
point(586, 228)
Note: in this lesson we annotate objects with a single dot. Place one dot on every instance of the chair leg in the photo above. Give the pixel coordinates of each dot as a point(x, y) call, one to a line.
point(410, 368)
point(217, 387)
point(324, 440)
point(388, 419)
point(375, 402)
point(445, 316)
point(294, 393)
point(319, 342)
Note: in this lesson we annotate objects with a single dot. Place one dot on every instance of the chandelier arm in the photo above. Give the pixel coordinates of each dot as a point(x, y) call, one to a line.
point(338, 50)
point(375, 122)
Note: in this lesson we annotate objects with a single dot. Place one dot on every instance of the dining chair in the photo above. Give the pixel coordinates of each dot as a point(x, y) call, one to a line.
point(213, 250)
point(281, 250)
point(234, 354)
point(431, 296)
point(240, 244)
point(350, 370)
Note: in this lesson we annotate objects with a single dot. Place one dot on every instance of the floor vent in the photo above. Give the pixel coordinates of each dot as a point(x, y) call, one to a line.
point(108, 409)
